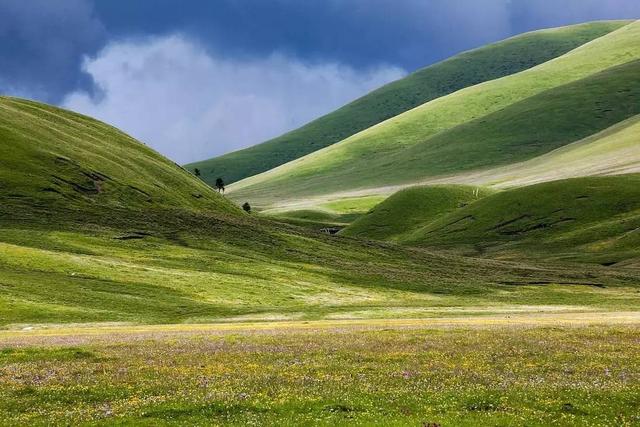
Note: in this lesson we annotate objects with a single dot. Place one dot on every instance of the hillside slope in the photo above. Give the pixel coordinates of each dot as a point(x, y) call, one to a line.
point(96, 227)
point(464, 70)
point(595, 219)
point(424, 142)
point(58, 161)
point(410, 209)
point(615, 150)
point(612, 151)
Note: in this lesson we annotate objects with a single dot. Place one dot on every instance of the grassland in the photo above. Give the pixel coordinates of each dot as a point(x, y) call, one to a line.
point(438, 139)
point(462, 372)
point(612, 151)
point(223, 272)
point(464, 70)
point(593, 219)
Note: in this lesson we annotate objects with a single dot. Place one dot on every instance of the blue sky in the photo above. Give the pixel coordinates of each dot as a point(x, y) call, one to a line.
point(198, 78)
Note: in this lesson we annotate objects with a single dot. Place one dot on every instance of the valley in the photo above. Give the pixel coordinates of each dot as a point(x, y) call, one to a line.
point(458, 247)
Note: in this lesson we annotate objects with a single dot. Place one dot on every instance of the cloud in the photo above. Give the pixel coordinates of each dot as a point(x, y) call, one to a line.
point(190, 105)
point(42, 43)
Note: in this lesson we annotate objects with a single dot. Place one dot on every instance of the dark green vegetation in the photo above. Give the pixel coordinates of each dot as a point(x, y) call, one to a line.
point(392, 376)
point(594, 219)
point(464, 70)
point(410, 209)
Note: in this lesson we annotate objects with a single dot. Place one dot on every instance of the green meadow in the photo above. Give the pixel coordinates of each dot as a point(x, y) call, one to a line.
point(211, 271)
point(592, 219)
point(474, 372)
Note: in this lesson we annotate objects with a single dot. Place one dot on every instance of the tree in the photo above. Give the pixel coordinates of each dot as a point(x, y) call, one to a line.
point(246, 207)
point(220, 185)
point(196, 171)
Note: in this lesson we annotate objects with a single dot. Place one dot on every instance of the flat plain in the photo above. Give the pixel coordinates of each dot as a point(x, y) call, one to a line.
point(494, 369)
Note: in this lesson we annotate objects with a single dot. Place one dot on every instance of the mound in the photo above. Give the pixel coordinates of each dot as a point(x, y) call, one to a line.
point(594, 219)
point(435, 138)
point(410, 209)
point(54, 163)
point(464, 70)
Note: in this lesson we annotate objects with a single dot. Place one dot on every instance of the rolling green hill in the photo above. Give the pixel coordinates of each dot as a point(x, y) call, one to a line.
point(56, 161)
point(495, 123)
point(464, 70)
point(595, 219)
point(409, 209)
point(612, 151)
point(96, 227)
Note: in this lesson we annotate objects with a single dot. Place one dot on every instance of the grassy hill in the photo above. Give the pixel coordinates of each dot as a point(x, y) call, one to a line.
point(54, 162)
point(96, 227)
point(595, 219)
point(612, 151)
point(576, 95)
point(568, 113)
point(464, 70)
point(409, 209)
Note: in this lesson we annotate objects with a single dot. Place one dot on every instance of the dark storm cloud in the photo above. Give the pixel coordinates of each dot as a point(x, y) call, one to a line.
point(42, 43)
point(406, 33)
point(190, 104)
